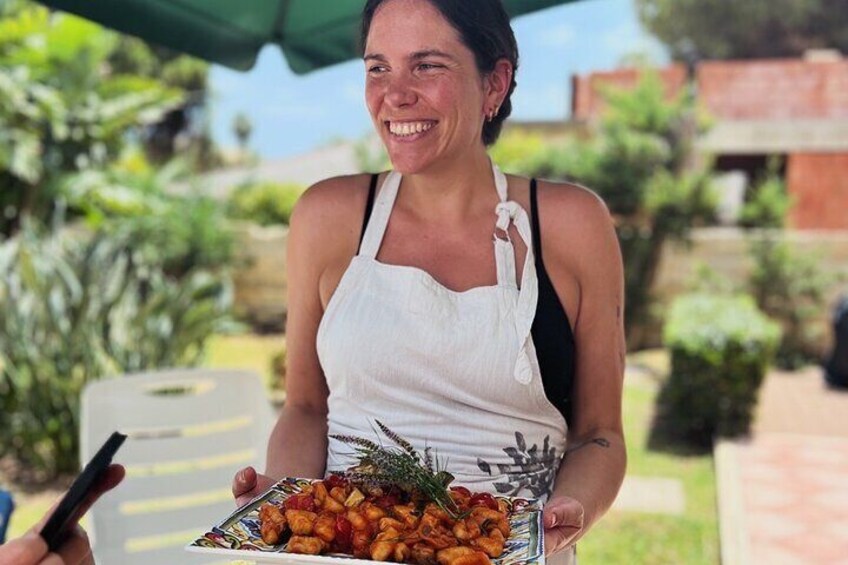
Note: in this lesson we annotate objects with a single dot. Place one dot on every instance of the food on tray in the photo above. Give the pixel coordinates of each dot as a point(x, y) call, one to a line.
point(387, 524)
point(392, 506)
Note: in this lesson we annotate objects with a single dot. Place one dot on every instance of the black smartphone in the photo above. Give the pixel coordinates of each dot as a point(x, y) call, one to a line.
point(57, 528)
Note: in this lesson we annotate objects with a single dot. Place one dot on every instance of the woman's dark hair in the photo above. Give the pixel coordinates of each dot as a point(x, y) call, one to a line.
point(483, 27)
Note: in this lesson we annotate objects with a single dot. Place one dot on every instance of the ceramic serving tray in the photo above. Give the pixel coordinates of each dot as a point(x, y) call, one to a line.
point(238, 537)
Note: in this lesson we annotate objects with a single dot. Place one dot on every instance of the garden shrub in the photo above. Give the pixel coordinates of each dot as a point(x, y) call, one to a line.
point(130, 200)
point(265, 203)
point(721, 347)
point(75, 308)
point(790, 288)
point(768, 205)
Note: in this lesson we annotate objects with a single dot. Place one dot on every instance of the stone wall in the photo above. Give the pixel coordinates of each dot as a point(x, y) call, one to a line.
point(260, 281)
point(726, 252)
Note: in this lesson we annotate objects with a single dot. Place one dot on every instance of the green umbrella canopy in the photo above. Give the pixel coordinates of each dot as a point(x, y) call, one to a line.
point(312, 33)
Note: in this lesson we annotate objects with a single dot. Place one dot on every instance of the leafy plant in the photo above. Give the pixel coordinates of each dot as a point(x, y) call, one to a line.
point(790, 288)
point(720, 349)
point(265, 203)
point(61, 110)
point(180, 232)
point(76, 308)
point(768, 206)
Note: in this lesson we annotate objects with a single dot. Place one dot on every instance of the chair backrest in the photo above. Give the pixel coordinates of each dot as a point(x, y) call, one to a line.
point(6, 508)
point(189, 432)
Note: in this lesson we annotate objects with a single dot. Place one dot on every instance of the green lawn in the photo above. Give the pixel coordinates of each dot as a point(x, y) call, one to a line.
point(641, 538)
point(620, 538)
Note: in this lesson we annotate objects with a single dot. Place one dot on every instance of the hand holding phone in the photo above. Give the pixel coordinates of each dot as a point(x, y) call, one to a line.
point(86, 487)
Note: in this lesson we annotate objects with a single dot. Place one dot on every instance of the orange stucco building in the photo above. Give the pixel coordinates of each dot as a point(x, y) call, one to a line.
point(794, 108)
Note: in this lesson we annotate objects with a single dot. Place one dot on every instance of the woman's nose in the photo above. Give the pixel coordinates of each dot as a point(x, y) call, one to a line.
point(400, 92)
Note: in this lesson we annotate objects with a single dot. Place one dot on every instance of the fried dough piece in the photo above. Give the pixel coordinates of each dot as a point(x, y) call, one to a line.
point(462, 555)
point(487, 518)
point(401, 553)
point(406, 514)
point(339, 494)
point(386, 523)
point(325, 527)
point(301, 522)
point(272, 523)
point(309, 545)
point(466, 530)
point(383, 546)
point(434, 509)
point(423, 554)
point(492, 545)
point(372, 512)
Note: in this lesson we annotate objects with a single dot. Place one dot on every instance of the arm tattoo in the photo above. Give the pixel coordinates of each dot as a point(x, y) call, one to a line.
point(602, 442)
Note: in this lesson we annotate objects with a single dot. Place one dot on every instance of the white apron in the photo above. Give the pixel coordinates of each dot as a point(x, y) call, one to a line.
point(453, 371)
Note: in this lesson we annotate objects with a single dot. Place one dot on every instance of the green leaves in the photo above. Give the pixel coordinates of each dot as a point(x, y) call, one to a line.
point(76, 307)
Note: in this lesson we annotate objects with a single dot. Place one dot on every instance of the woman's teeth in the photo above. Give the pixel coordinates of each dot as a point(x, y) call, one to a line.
point(409, 128)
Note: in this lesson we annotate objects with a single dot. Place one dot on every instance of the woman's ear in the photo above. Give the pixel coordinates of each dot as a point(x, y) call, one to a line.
point(497, 84)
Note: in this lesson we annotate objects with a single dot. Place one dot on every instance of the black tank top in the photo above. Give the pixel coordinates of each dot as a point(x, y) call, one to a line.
point(551, 331)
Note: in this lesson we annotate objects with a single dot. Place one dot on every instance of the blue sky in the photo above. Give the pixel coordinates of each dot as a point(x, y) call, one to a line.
point(293, 114)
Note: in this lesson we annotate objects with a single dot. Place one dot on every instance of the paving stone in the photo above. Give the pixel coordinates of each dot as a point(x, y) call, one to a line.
point(656, 495)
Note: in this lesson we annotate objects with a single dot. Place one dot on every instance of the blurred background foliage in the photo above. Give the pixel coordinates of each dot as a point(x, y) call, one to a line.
point(104, 269)
point(729, 29)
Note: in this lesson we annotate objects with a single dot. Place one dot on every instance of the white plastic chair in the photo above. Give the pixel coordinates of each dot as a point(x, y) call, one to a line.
point(189, 432)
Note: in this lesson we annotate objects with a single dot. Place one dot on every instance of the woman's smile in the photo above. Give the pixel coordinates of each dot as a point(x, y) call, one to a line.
point(406, 131)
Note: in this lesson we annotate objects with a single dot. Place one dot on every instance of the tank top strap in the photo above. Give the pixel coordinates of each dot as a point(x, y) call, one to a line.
point(509, 211)
point(376, 228)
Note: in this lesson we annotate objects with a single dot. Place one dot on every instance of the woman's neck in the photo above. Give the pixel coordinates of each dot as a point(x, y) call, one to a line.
point(451, 192)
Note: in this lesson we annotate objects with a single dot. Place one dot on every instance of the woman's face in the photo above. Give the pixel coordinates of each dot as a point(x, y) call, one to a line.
point(423, 90)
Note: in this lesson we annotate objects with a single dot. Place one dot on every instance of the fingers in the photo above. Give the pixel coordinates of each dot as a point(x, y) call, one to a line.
point(557, 539)
point(30, 548)
point(76, 549)
point(111, 478)
point(563, 511)
point(563, 519)
point(244, 485)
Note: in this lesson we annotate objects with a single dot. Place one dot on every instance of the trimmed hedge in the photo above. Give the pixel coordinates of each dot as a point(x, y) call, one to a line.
point(721, 347)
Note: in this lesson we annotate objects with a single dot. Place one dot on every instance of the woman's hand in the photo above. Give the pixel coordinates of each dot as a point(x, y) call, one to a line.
point(31, 549)
point(248, 484)
point(563, 520)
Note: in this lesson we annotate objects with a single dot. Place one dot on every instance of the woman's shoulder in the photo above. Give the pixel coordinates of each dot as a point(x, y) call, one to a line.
point(571, 200)
point(564, 205)
point(575, 222)
point(330, 211)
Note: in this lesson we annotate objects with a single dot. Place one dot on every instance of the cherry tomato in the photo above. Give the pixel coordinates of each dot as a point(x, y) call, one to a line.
point(344, 533)
point(462, 490)
point(301, 501)
point(335, 480)
point(484, 499)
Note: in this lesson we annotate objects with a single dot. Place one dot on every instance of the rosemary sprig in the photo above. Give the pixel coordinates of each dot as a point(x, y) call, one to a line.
point(401, 466)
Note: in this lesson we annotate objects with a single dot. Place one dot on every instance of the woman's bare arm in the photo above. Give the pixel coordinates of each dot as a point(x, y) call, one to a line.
point(580, 242)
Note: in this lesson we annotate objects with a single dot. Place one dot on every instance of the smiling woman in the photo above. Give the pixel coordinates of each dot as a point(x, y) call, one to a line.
point(428, 298)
